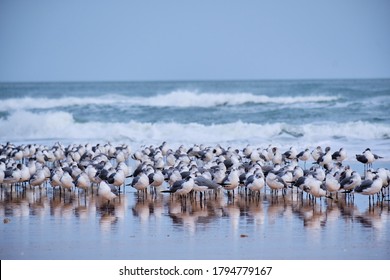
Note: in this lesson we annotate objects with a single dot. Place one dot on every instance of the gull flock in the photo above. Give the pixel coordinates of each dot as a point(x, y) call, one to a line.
point(189, 172)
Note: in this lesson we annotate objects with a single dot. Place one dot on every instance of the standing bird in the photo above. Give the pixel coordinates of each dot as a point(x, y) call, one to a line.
point(291, 154)
point(202, 184)
point(37, 179)
point(66, 181)
point(304, 156)
point(231, 181)
point(339, 155)
point(140, 183)
point(315, 188)
point(367, 158)
point(255, 183)
point(316, 153)
point(325, 159)
point(105, 192)
point(156, 179)
point(82, 181)
point(275, 182)
point(370, 187)
point(117, 178)
point(332, 185)
point(181, 187)
point(351, 182)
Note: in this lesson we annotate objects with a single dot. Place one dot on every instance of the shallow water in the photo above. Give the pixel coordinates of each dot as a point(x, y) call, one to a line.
point(41, 224)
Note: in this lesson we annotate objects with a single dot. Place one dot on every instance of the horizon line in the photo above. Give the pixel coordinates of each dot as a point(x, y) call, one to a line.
point(189, 80)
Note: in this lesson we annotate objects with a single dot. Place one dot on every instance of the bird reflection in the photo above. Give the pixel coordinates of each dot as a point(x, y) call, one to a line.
point(313, 216)
point(107, 221)
point(373, 218)
point(192, 214)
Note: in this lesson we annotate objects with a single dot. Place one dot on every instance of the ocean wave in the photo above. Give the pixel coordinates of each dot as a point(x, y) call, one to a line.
point(26, 125)
point(178, 98)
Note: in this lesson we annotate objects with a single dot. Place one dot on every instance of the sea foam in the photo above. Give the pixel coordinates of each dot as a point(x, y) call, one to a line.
point(29, 126)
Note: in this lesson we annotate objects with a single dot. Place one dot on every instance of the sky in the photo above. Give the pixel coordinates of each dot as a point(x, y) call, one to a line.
point(119, 40)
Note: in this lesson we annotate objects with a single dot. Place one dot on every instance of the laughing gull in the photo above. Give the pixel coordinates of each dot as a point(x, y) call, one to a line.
point(325, 159)
point(349, 183)
point(24, 172)
point(12, 176)
point(367, 158)
point(202, 184)
point(291, 154)
point(37, 179)
point(370, 187)
point(331, 183)
point(140, 183)
point(277, 156)
point(275, 182)
point(339, 155)
point(384, 173)
point(314, 187)
point(105, 192)
point(255, 183)
point(231, 181)
point(2, 175)
point(156, 179)
point(304, 156)
point(316, 153)
point(117, 179)
point(82, 181)
point(181, 187)
point(66, 181)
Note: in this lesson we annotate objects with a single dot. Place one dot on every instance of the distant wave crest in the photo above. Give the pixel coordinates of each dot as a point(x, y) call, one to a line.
point(178, 98)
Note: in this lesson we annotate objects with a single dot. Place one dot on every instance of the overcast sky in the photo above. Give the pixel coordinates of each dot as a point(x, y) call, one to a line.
point(94, 40)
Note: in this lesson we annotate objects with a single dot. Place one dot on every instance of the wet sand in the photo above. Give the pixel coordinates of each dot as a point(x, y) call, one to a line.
point(41, 224)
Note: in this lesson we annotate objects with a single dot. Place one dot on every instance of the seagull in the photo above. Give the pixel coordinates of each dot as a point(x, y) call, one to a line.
point(297, 173)
point(181, 187)
point(367, 158)
point(325, 159)
point(332, 185)
point(117, 178)
point(315, 187)
point(275, 182)
point(247, 150)
point(82, 181)
point(370, 187)
point(316, 153)
point(304, 156)
point(312, 186)
point(349, 183)
point(105, 192)
point(156, 179)
point(38, 178)
point(12, 176)
point(339, 155)
point(2, 175)
point(255, 183)
point(67, 181)
point(55, 177)
point(24, 172)
point(140, 183)
point(291, 154)
point(231, 181)
point(202, 184)
point(384, 173)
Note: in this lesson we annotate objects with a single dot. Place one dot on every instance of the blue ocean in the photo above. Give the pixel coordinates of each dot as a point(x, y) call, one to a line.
point(353, 114)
